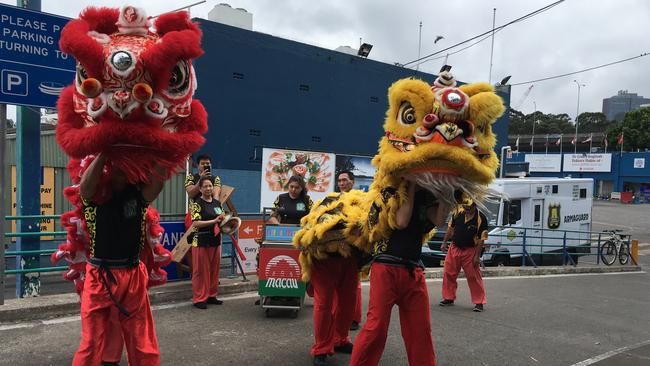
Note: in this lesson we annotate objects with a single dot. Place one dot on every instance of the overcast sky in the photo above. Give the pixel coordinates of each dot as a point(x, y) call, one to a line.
point(574, 35)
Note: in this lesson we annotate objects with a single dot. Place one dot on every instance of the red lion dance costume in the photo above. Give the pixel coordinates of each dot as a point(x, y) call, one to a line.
point(132, 102)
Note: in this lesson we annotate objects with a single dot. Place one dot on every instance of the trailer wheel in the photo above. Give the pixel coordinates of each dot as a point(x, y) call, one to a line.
point(501, 260)
point(267, 312)
point(294, 314)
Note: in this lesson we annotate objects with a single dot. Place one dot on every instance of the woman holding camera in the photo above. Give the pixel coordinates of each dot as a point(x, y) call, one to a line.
point(206, 213)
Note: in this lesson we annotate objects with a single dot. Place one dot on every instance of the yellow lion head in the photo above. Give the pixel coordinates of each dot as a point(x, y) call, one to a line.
point(442, 134)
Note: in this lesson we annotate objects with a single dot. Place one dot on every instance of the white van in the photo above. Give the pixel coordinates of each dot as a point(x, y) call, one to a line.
point(548, 213)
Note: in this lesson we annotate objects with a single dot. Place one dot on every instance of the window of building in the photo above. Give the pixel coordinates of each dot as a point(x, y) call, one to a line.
point(583, 192)
point(511, 212)
point(554, 189)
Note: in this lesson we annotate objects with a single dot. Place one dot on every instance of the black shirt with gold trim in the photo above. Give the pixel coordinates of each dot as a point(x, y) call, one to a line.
point(201, 210)
point(407, 243)
point(116, 227)
point(466, 232)
point(192, 179)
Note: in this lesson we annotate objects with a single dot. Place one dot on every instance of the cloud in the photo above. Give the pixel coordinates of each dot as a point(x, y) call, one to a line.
point(573, 35)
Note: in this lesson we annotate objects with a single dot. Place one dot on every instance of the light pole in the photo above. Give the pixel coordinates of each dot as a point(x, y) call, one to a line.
point(504, 151)
point(494, 18)
point(575, 146)
point(417, 67)
point(532, 139)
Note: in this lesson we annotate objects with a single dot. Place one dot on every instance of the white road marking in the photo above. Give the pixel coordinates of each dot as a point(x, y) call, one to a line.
point(66, 319)
point(16, 326)
point(609, 354)
point(249, 295)
point(74, 318)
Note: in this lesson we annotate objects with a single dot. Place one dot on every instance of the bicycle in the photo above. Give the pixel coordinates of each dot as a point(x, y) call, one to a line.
point(614, 247)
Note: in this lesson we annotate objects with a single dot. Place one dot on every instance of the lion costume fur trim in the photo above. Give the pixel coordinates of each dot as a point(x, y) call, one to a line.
point(365, 220)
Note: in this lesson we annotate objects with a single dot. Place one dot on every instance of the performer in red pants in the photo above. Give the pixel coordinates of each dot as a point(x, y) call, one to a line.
point(397, 278)
point(356, 320)
point(468, 230)
point(207, 213)
point(334, 281)
point(115, 278)
point(345, 183)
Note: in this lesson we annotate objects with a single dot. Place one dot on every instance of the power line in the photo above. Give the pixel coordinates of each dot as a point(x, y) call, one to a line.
point(460, 50)
point(529, 15)
point(583, 70)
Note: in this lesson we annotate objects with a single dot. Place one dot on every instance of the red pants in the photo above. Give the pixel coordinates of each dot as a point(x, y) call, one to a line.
point(206, 262)
point(333, 280)
point(130, 290)
point(357, 307)
point(390, 285)
point(113, 340)
point(455, 260)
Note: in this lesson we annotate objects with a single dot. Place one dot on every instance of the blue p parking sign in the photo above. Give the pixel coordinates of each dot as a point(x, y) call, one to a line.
point(33, 71)
point(14, 82)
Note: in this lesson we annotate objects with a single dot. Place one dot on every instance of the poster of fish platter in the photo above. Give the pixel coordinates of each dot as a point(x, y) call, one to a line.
point(316, 168)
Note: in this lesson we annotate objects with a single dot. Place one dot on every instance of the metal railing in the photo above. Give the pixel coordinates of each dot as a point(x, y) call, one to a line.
point(44, 252)
point(519, 244)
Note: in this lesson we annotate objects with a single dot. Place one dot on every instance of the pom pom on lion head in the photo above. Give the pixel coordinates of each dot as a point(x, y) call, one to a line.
point(442, 134)
point(132, 94)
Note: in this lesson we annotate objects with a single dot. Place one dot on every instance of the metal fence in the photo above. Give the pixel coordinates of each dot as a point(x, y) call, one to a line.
point(525, 246)
point(514, 243)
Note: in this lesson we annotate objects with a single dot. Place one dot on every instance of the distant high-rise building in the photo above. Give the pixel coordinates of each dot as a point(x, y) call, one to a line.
point(614, 108)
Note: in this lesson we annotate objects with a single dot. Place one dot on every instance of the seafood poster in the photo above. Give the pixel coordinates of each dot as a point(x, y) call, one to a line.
point(316, 168)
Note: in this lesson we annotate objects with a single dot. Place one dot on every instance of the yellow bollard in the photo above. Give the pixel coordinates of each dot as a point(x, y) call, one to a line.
point(635, 251)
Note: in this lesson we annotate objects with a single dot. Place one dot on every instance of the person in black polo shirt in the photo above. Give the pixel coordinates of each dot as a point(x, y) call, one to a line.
point(468, 230)
point(192, 187)
point(290, 207)
point(206, 213)
point(397, 278)
point(115, 278)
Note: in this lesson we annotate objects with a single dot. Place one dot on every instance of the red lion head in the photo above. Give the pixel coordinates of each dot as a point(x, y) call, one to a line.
point(132, 94)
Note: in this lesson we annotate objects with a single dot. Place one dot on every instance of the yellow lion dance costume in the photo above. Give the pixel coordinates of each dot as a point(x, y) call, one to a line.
point(442, 134)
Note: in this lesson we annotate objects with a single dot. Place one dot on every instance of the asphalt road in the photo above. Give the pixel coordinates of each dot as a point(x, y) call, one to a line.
point(554, 320)
point(633, 219)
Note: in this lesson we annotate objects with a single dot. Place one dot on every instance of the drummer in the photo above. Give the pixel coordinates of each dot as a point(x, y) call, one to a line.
point(290, 207)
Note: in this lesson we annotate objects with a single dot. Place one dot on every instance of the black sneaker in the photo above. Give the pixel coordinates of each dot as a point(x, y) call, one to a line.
point(214, 301)
point(354, 326)
point(478, 308)
point(446, 302)
point(201, 305)
point(344, 348)
point(320, 360)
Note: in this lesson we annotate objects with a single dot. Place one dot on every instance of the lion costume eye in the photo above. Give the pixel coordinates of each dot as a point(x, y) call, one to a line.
point(81, 74)
point(406, 114)
point(179, 81)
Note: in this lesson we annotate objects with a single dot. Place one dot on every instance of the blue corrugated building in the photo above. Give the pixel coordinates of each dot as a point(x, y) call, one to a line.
point(264, 91)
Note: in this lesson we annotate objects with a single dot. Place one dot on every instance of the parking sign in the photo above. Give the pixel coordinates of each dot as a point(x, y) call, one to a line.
point(33, 70)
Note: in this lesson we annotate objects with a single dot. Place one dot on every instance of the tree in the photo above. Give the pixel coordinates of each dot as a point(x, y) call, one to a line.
point(593, 122)
point(522, 124)
point(635, 127)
